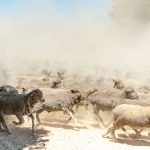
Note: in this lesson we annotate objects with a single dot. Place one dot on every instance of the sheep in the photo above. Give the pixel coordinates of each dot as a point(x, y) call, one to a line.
point(57, 82)
point(85, 95)
point(130, 93)
point(108, 103)
point(118, 84)
point(135, 116)
point(63, 101)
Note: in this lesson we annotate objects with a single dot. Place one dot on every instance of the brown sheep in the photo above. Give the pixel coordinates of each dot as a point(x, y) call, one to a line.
point(56, 83)
point(64, 101)
point(130, 93)
point(108, 103)
point(118, 84)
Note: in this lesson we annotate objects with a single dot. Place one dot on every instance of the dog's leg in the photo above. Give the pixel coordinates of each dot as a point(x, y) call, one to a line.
point(4, 123)
point(33, 125)
point(37, 115)
point(20, 118)
point(2, 127)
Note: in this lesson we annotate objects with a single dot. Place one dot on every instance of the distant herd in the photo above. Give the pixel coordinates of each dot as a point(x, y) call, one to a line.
point(127, 109)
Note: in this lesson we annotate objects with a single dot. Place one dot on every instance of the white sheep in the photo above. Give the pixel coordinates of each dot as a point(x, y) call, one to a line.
point(135, 116)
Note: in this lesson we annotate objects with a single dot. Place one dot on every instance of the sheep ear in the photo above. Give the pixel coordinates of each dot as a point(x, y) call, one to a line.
point(32, 94)
point(72, 91)
point(95, 90)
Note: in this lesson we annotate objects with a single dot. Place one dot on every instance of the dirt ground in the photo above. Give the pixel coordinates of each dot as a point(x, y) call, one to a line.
point(56, 134)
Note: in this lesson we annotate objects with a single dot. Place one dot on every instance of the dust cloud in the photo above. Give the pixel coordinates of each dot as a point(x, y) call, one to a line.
point(38, 36)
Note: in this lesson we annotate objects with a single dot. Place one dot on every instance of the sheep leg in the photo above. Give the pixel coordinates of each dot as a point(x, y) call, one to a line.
point(112, 131)
point(77, 107)
point(98, 118)
point(111, 128)
point(138, 133)
point(108, 131)
point(71, 110)
point(71, 115)
point(95, 112)
point(116, 126)
point(65, 117)
point(113, 136)
point(124, 130)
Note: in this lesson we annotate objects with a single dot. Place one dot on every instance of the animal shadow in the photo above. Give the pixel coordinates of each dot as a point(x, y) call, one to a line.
point(22, 137)
point(57, 123)
point(131, 140)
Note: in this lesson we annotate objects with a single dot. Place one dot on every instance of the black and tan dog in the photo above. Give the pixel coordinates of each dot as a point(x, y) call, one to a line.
point(19, 105)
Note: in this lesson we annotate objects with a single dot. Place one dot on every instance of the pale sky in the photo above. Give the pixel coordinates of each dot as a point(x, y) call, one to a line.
point(73, 31)
point(46, 26)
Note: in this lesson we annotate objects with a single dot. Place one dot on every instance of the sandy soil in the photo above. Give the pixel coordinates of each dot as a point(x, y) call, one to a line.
point(56, 134)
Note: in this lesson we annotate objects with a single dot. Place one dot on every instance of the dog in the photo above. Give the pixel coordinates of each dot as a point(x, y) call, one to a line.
point(19, 105)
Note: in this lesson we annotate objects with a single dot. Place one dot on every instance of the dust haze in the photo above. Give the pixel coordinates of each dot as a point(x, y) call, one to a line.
point(37, 36)
point(92, 45)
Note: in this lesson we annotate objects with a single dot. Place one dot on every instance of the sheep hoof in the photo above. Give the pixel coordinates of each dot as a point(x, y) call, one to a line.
point(114, 140)
point(39, 123)
point(136, 136)
point(126, 135)
point(99, 125)
point(104, 135)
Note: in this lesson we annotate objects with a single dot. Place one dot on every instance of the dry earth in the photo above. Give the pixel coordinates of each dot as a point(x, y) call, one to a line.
point(55, 134)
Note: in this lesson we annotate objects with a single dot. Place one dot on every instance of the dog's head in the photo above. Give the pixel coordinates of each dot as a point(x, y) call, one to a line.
point(35, 96)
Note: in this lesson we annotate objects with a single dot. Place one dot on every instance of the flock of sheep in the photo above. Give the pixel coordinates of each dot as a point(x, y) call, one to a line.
point(127, 108)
